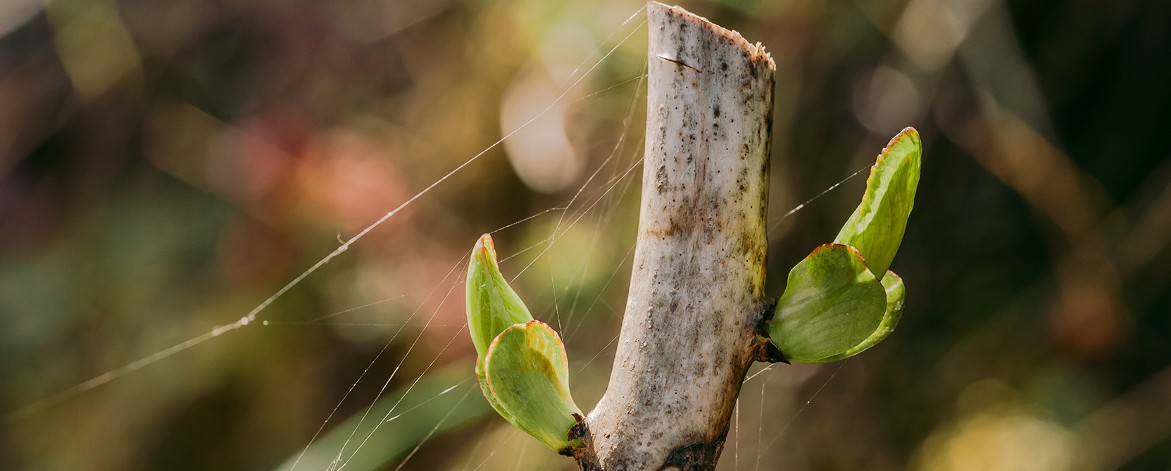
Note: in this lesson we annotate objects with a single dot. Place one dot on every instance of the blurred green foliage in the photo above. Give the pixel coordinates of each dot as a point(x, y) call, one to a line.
point(166, 165)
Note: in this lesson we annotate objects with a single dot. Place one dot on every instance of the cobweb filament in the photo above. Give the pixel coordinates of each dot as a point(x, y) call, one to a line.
point(760, 426)
point(458, 334)
point(370, 365)
point(806, 404)
point(809, 201)
point(608, 186)
point(424, 402)
point(395, 371)
point(318, 320)
point(762, 370)
point(512, 432)
point(597, 298)
point(615, 178)
point(433, 429)
point(736, 431)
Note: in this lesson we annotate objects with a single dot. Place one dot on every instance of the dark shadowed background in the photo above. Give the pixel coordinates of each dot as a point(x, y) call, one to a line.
point(167, 165)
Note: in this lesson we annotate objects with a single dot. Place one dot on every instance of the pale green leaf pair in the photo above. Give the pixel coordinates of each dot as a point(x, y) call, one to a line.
point(522, 368)
point(842, 299)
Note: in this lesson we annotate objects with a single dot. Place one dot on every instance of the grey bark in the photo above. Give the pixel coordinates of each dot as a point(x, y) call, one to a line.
point(696, 293)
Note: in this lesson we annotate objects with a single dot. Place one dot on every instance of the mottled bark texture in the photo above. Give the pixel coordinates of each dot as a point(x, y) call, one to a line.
point(696, 291)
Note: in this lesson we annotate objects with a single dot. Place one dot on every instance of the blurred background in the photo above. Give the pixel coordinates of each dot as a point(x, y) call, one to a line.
point(167, 165)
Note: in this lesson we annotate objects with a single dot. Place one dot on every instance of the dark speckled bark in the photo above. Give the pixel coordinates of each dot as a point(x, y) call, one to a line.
point(696, 291)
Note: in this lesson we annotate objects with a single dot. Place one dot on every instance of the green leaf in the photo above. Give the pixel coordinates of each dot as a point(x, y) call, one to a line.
point(527, 375)
point(895, 294)
point(831, 305)
point(842, 299)
point(877, 225)
point(492, 305)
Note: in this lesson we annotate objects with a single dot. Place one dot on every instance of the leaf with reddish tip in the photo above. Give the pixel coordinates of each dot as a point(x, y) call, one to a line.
point(842, 299)
point(831, 305)
point(492, 305)
point(876, 227)
point(527, 377)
